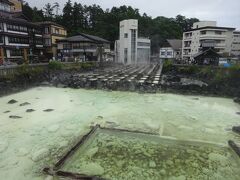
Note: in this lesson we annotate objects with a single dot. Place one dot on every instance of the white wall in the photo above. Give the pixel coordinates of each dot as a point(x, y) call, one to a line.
point(126, 28)
point(225, 38)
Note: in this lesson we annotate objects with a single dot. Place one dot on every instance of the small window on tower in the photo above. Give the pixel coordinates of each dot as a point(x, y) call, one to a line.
point(126, 35)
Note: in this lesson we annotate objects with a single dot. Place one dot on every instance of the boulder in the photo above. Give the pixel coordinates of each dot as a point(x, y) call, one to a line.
point(235, 147)
point(236, 100)
point(13, 101)
point(30, 110)
point(92, 169)
point(188, 82)
point(25, 104)
point(236, 129)
point(48, 110)
point(15, 117)
point(40, 154)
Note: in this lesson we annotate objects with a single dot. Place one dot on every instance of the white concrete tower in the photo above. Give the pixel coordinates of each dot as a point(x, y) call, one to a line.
point(128, 41)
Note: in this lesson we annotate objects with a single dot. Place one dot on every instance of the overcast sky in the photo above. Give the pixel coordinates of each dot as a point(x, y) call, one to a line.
point(225, 12)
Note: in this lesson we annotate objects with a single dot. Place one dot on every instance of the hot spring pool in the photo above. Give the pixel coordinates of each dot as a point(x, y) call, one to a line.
point(40, 138)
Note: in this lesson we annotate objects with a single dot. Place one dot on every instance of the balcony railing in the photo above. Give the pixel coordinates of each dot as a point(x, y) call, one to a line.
point(212, 36)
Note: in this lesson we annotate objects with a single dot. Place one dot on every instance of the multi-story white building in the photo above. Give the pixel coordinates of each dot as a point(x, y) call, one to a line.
point(130, 49)
point(236, 44)
point(206, 31)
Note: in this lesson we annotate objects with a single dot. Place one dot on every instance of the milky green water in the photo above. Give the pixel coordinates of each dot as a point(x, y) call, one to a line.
point(124, 155)
point(40, 138)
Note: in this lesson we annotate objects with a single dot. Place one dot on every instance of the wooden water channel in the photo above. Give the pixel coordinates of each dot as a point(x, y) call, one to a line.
point(130, 78)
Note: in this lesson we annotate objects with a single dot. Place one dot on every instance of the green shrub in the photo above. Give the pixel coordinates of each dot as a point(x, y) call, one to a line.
point(189, 70)
point(207, 71)
point(55, 65)
point(23, 69)
point(87, 65)
point(167, 65)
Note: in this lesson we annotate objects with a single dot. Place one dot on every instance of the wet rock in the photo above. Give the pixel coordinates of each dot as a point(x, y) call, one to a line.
point(92, 152)
point(236, 129)
point(163, 172)
point(48, 110)
point(61, 86)
point(92, 169)
point(13, 101)
point(217, 158)
point(111, 124)
point(25, 104)
point(195, 98)
point(49, 178)
point(152, 164)
point(169, 162)
point(236, 100)
point(99, 117)
point(235, 147)
point(15, 117)
point(30, 110)
point(40, 154)
point(7, 112)
point(45, 83)
point(189, 82)
point(238, 113)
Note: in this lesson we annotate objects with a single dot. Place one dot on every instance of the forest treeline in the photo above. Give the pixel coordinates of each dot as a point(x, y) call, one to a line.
point(94, 20)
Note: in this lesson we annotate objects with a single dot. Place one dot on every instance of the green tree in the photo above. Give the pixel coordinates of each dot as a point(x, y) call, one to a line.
point(78, 18)
point(48, 11)
point(67, 18)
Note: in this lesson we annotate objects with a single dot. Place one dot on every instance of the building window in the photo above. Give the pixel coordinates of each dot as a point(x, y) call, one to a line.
point(133, 44)
point(144, 44)
point(77, 46)
point(47, 42)
point(16, 52)
point(56, 30)
point(53, 30)
point(1, 39)
point(39, 41)
point(218, 32)
point(4, 7)
point(203, 32)
point(17, 40)
point(13, 27)
point(125, 55)
point(38, 31)
point(162, 53)
point(125, 35)
point(47, 30)
point(169, 53)
point(66, 46)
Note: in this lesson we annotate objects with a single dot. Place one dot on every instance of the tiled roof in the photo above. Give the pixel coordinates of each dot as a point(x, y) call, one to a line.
point(82, 37)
